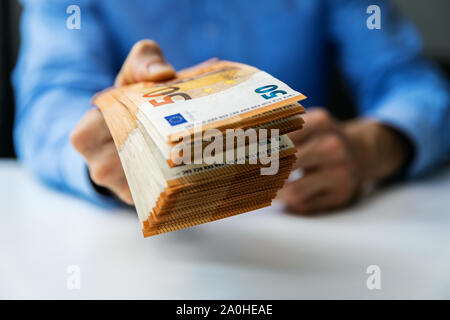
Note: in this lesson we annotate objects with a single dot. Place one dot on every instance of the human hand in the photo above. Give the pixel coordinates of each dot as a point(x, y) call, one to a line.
point(91, 136)
point(337, 158)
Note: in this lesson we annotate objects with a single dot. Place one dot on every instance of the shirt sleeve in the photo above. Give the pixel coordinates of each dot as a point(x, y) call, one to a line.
point(391, 79)
point(58, 72)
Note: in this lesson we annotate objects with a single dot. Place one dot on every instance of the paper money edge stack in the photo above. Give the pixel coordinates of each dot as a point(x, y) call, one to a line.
point(130, 137)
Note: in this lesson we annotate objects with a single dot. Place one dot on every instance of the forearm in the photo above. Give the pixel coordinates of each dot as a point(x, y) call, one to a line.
point(42, 142)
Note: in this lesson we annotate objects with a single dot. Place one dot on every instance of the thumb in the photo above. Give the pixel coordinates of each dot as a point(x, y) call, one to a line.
point(145, 62)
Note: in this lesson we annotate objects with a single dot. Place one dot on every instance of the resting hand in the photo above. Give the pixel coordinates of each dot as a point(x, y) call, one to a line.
point(336, 158)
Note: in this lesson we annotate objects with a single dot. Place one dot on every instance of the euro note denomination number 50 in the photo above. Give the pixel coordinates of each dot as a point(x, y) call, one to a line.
point(270, 91)
point(165, 96)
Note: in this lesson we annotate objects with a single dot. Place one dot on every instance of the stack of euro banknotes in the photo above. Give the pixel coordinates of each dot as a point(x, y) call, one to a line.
point(173, 140)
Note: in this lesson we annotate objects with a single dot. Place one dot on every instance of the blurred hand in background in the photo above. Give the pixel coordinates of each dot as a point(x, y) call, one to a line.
point(338, 158)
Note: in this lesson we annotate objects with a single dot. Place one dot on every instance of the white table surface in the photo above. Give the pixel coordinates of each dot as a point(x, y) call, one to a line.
point(405, 230)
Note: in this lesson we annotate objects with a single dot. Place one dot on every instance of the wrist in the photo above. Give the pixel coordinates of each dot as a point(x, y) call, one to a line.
point(379, 150)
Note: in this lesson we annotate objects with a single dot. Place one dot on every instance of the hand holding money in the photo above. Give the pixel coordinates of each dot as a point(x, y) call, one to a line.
point(204, 145)
point(92, 138)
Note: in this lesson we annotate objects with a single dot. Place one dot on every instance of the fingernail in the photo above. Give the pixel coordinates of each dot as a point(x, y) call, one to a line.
point(159, 68)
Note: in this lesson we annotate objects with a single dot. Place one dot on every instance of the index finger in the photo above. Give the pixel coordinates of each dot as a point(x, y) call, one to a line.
point(90, 133)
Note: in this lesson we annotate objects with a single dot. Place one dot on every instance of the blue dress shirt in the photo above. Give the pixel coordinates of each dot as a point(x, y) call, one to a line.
point(60, 69)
